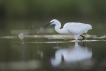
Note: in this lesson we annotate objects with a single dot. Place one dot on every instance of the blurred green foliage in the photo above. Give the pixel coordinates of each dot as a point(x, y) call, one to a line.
point(31, 9)
point(25, 13)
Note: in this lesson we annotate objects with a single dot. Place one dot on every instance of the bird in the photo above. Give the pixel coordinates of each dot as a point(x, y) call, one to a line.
point(70, 28)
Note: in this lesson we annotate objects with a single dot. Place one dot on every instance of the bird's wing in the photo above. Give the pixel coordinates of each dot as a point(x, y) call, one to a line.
point(79, 29)
point(73, 24)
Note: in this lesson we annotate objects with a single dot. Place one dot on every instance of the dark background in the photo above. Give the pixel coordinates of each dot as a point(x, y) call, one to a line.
point(15, 14)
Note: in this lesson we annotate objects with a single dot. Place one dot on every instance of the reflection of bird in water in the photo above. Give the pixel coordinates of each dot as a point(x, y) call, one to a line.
point(73, 28)
point(78, 53)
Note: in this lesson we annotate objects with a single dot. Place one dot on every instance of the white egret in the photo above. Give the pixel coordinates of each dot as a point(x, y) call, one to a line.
point(72, 28)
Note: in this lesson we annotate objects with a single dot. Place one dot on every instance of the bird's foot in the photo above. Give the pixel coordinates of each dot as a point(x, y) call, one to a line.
point(76, 40)
point(82, 37)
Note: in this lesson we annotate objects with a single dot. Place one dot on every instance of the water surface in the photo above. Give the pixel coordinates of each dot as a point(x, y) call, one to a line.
point(49, 53)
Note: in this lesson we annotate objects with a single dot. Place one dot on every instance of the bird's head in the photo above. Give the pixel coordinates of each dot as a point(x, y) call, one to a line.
point(54, 21)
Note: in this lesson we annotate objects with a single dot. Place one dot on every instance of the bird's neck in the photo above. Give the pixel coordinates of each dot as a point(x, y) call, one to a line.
point(57, 28)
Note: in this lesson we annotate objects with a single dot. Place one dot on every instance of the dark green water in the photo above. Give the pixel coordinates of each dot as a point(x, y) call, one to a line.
point(33, 54)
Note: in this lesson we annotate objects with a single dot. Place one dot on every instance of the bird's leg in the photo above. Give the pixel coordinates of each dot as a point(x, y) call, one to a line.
point(82, 37)
point(76, 38)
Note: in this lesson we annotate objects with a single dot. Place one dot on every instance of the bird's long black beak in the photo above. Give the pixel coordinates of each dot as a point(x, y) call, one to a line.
point(47, 24)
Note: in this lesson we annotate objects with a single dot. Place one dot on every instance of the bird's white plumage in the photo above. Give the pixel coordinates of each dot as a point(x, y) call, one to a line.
point(77, 28)
point(73, 28)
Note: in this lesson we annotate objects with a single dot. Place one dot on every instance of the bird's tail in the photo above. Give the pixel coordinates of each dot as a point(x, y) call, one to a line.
point(88, 27)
